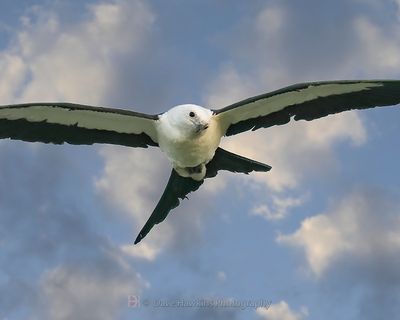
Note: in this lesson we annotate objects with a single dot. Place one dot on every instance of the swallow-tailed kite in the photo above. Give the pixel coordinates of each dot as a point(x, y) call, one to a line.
point(189, 134)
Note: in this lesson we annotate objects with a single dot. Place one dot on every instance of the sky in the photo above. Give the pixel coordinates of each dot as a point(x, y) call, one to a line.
point(316, 237)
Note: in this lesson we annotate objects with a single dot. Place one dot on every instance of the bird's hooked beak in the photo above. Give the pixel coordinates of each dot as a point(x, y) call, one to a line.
point(200, 127)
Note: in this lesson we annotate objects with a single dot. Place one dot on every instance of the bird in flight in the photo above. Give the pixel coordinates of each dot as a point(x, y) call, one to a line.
point(189, 134)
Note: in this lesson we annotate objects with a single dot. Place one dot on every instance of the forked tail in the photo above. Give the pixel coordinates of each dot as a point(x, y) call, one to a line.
point(179, 187)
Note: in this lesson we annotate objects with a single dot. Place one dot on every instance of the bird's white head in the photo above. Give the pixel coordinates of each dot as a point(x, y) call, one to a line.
point(188, 119)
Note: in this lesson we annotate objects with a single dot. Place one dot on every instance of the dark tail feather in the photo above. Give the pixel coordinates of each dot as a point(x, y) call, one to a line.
point(176, 189)
point(179, 187)
point(225, 160)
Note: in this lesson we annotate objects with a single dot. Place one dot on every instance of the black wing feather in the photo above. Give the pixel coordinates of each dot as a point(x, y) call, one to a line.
point(386, 94)
point(46, 132)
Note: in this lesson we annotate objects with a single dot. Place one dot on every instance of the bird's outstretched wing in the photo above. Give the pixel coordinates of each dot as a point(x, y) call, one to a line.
point(179, 187)
point(77, 124)
point(306, 101)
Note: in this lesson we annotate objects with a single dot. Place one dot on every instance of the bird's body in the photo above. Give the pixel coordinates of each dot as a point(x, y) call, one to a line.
point(189, 134)
point(189, 141)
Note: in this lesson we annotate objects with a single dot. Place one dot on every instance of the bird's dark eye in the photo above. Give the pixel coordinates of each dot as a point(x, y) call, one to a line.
point(191, 114)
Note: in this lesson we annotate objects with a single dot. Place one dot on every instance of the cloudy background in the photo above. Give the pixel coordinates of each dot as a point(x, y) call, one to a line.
point(318, 236)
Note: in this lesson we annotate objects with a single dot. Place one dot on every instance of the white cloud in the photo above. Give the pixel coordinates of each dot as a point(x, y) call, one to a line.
point(130, 177)
point(228, 87)
point(279, 207)
point(51, 58)
point(296, 150)
point(309, 143)
point(144, 250)
point(271, 20)
point(53, 61)
point(281, 311)
point(133, 181)
point(12, 70)
point(69, 294)
point(379, 48)
point(50, 61)
point(360, 226)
